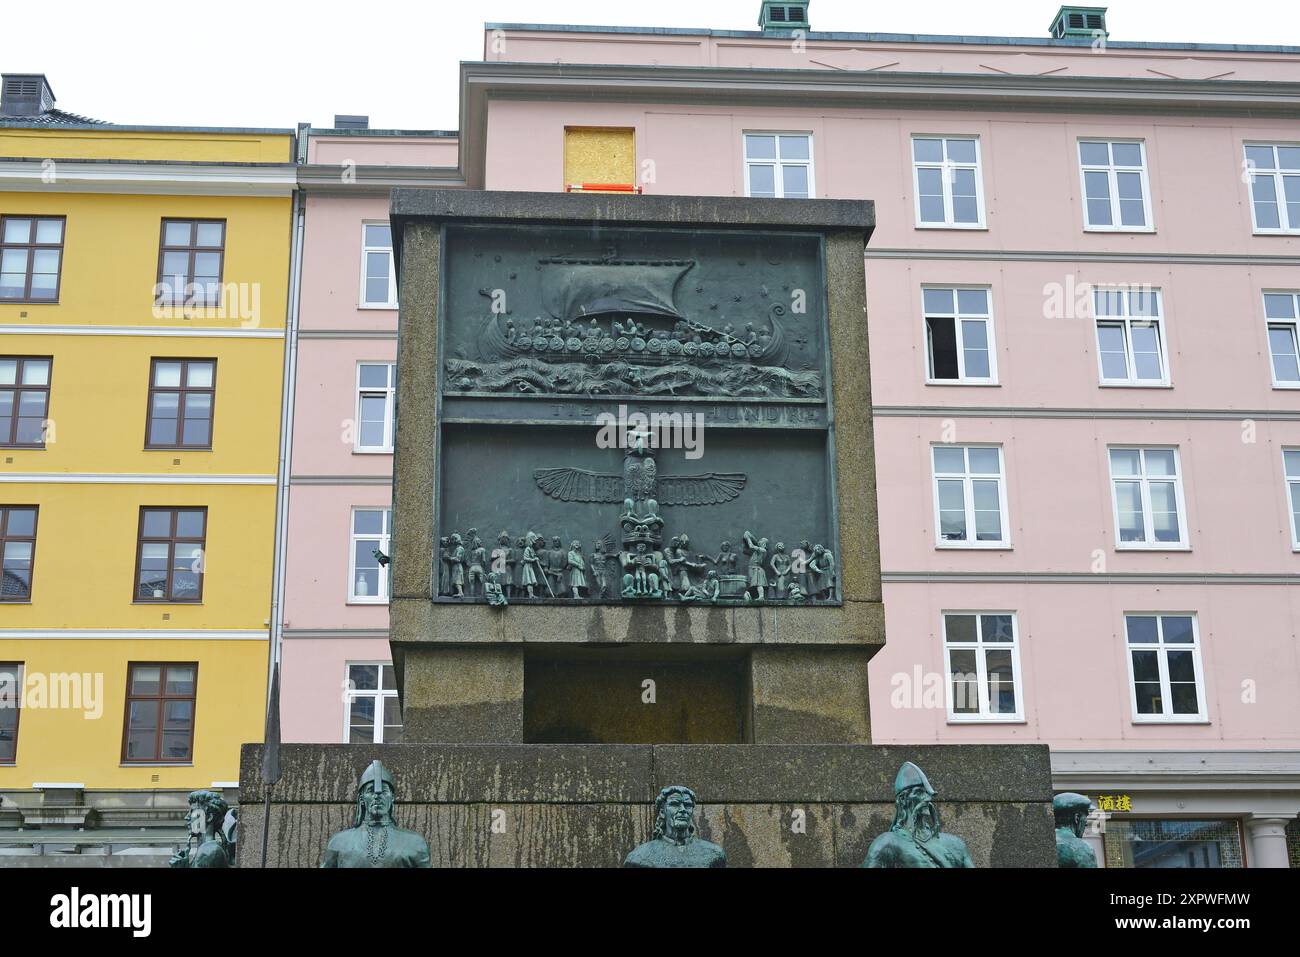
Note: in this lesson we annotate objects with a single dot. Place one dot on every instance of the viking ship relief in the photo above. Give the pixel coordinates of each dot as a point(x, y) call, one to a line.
point(615, 326)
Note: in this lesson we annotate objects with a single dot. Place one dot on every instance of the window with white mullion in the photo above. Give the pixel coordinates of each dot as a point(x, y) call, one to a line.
point(946, 177)
point(1291, 468)
point(367, 575)
point(1165, 677)
point(1116, 193)
point(1130, 336)
point(1148, 498)
point(983, 666)
point(1273, 171)
point(969, 496)
point(778, 165)
point(378, 275)
point(959, 336)
point(372, 713)
point(1281, 311)
point(375, 392)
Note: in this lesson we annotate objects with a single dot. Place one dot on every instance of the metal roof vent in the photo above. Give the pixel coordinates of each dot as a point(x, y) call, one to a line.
point(25, 94)
point(783, 16)
point(344, 121)
point(1084, 23)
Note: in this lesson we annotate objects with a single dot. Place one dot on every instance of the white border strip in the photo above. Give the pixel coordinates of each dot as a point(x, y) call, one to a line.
point(133, 634)
point(105, 478)
point(202, 332)
point(58, 784)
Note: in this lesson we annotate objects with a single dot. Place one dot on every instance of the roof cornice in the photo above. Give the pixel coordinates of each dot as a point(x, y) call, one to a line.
point(117, 176)
point(338, 179)
point(480, 81)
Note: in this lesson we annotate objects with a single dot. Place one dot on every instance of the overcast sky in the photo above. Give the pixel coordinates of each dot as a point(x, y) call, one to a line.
point(273, 63)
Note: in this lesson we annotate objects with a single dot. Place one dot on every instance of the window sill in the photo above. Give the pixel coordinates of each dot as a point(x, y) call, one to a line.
point(965, 547)
point(177, 448)
point(166, 601)
point(372, 451)
point(1153, 548)
point(1148, 722)
point(964, 382)
point(156, 764)
point(377, 307)
point(1135, 385)
point(45, 448)
point(367, 601)
point(956, 721)
point(1123, 231)
point(1278, 386)
point(1276, 232)
point(29, 302)
point(961, 227)
point(28, 601)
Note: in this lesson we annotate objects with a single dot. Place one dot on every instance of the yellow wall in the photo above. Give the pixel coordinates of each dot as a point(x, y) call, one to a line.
point(84, 567)
point(231, 147)
point(63, 745)
point(110, 257)
point(599, 155)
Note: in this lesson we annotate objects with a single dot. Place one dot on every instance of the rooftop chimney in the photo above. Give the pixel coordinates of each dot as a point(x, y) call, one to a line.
point(25, 94)
point(783, 16)
point(343, 121)
point(1084, 23)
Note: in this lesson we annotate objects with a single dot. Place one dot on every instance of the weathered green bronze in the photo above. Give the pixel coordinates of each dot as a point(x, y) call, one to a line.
point(916, 838)
point(675, 843)
point(1071, 812)
point(213, 832)
point(375, 840)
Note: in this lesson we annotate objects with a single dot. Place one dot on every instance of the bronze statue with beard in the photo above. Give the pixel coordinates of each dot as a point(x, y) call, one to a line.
point(675, 843)
point(375, 840)
point(916, 840)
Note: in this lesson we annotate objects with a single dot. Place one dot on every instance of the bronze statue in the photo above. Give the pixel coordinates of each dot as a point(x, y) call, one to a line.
point(577, 569)
point(780, 564)
point(821, 570)
point(493, 591)
point(375, 840)
point(916, 838)
point(213, 832)
point(1071, 812)
point(757, 574)
point(674, 843)
point(456, 567)
point(533, 573)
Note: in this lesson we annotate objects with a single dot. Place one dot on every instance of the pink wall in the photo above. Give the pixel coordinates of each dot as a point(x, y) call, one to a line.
point(339, 150)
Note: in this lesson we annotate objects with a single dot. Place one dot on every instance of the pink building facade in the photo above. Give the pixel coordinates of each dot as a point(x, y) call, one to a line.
point(1083, 292)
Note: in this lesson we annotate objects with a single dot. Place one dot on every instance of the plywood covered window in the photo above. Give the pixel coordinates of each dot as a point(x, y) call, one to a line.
point(600, 159)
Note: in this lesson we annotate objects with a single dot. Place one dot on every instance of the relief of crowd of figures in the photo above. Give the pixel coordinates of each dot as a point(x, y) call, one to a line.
point(527, 567)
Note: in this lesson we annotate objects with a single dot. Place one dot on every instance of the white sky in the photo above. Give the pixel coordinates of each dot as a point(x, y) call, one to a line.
point(272, 63)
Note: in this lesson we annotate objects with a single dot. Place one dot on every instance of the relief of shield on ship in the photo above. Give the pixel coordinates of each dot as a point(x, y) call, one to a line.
point(614, 328)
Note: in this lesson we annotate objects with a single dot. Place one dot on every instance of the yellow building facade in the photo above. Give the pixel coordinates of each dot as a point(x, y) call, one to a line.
point(140, 408)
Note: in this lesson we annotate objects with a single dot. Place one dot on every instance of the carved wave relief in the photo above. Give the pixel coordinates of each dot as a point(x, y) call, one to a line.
point(527, 375)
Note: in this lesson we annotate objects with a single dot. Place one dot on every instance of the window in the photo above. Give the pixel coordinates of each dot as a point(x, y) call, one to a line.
point(31, 258)
point(159, 726)
point(181, 392)
point(24, 400)
point(11, 701)
point(1274, 187)
point(367, 575)
point(1115, 190)
point(191, 256)
point(970, 496)
point(1291, 467)
point(959, 336)
point(1130, 336)
point(1281, 310)
point(947, 181)
point(1165, 667)
point(1149, 510)
point(378, 275)
point(170, 558)
point(600, 159)
point(376, 382)
point(373, 714)
point(17, 550)
point(778, 165)
point(983, 666)
point(1173, 842)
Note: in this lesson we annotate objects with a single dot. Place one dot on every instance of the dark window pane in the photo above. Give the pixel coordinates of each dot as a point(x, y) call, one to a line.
point(364, 677)
point(943, 348)
point(1184, 698)
point(1146, 666)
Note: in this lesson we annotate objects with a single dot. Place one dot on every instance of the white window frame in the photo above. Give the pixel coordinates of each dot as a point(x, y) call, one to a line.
point(389, 394)
point(350, 693)
point(1292, 484)
point(1161, 649)
point(968, 496)
point(979, 646)
point(1112, 172)
point(1127, 320)
point(1277, 174)
point(1148, 524)
point(946, 167)
point(958, 316)
point(1293, 326)
point(392, 268)
point(778, 162)
point(385, 544)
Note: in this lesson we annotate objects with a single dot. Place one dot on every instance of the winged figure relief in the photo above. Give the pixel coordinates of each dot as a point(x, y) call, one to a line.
point(639, 482)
